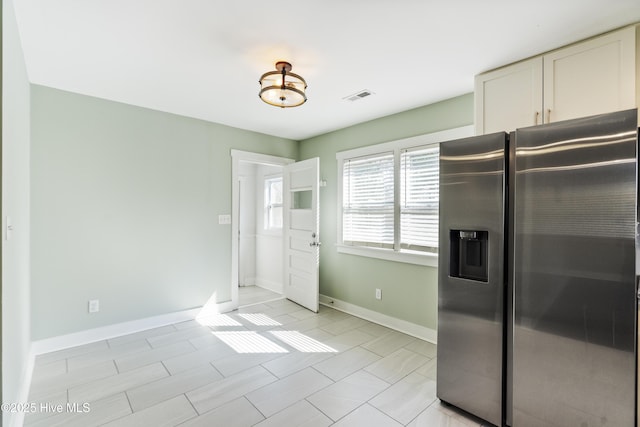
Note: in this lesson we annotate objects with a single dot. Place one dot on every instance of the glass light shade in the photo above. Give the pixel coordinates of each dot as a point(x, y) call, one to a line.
point(289, 94)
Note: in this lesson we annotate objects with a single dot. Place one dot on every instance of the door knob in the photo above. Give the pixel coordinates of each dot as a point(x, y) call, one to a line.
point(315, 244)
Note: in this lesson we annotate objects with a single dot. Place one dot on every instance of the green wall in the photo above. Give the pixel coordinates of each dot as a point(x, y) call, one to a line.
point(16, 338)
point(409, 292)
point(125, 203)
point(124, 206)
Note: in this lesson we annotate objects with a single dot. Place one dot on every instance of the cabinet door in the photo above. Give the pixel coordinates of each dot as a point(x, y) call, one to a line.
point(593, 77)
point(509, 98)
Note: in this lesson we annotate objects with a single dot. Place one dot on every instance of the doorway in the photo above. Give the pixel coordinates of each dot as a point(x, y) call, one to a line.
point(257, 263)
point(259, 233)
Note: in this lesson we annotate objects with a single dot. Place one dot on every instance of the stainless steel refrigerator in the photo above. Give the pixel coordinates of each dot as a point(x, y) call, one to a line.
point(537, 306)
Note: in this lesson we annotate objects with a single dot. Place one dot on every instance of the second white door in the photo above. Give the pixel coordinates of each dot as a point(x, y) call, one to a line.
point(302, 233)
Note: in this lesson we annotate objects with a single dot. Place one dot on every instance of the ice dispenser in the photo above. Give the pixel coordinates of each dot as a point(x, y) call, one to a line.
point(469, 254)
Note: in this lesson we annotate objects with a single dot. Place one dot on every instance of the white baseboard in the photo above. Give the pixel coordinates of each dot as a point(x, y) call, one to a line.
point(105, 332)
point(400, 325)
point(248, 281)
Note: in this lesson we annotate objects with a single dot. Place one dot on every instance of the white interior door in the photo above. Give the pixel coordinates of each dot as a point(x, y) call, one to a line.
point(301, 232)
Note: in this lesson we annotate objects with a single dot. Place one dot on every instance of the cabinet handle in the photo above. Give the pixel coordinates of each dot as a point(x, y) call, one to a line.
point(535, 117)
point(548, 115)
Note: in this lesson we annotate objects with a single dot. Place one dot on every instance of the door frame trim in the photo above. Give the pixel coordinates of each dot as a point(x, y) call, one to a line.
point(238, 156)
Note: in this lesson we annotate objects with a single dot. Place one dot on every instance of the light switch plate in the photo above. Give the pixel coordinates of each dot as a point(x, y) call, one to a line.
point(224, 219)
point(94, 306)
point(8, 228)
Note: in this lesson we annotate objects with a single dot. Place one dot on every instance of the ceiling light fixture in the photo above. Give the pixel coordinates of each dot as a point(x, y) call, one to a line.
point(282, 88)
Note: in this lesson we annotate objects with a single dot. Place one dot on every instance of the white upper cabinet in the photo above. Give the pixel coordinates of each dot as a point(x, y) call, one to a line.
point(595, 76)
point(497, 109)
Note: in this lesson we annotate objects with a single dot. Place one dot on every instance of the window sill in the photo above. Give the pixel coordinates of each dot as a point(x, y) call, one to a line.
point(408, 257)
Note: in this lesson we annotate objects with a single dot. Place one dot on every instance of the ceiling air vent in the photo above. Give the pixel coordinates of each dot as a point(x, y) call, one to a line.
point(358, 95)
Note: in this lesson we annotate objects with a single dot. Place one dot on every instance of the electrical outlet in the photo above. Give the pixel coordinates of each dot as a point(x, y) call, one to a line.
point(94, 306)
point(378, 294)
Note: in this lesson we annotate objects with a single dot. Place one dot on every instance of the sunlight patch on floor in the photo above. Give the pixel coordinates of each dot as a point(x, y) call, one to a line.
point(302, 343)
point(249, 342)
point(260, 319)
point(218, 320)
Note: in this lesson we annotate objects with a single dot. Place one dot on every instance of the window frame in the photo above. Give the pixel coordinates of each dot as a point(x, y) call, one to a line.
point(397, 253)
point(266, 192)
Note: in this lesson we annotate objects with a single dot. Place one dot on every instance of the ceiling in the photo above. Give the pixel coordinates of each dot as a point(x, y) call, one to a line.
point(203, 58)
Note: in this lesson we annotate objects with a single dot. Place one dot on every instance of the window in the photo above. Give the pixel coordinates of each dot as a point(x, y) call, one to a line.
point(369, 200)
point(419, 171)
point(273, 203)
point(367, 214)
point(388, 203)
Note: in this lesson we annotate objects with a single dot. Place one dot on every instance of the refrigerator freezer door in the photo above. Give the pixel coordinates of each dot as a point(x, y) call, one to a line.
point(574, 331)
point(470, 277)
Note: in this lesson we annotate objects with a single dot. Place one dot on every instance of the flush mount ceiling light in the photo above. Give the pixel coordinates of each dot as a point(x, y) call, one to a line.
point(282, 88)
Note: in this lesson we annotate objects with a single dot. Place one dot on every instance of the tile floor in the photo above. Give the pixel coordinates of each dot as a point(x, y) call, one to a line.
point(269, 364)
point(254, 294)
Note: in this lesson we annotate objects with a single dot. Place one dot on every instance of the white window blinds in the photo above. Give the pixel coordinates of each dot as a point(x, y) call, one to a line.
point(419, 194)
point(388, 197)
point(368, 201)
